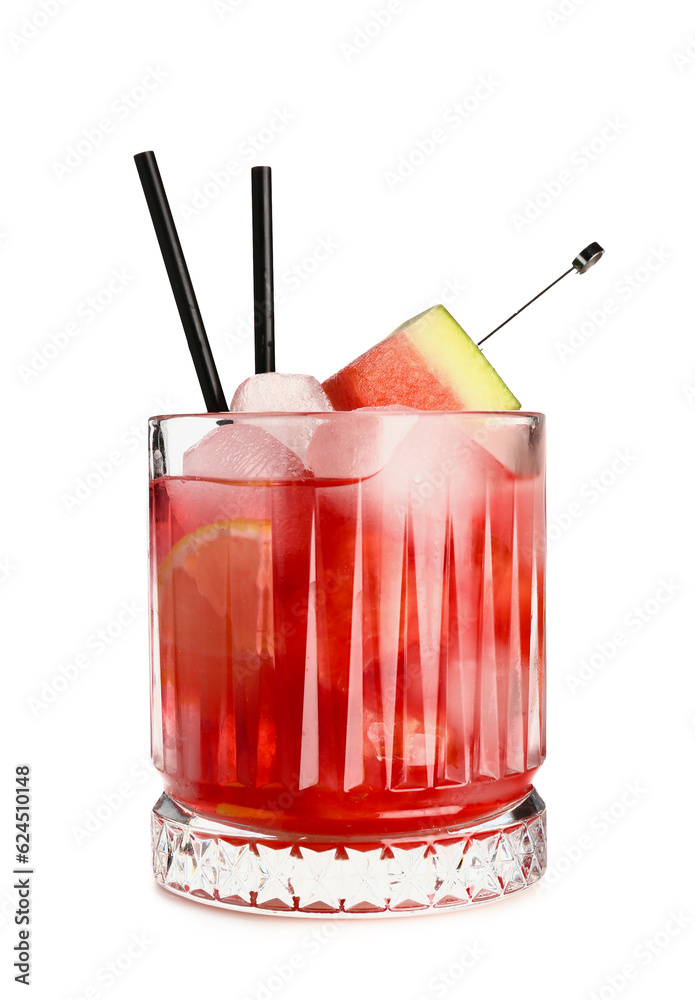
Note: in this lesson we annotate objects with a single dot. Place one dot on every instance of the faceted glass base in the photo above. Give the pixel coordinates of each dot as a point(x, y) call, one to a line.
point(226, 866)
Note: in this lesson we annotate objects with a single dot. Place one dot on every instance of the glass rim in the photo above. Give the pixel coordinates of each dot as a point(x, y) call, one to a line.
point(507, 415)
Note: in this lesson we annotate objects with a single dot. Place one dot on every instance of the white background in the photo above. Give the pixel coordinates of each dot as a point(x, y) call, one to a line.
point(552, 76)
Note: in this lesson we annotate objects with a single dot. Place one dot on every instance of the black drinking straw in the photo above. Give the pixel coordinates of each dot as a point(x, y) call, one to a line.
point(180, 281)
point(263, 294)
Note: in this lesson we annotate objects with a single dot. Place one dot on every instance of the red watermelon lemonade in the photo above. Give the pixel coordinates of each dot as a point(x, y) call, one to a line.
point(348, 691)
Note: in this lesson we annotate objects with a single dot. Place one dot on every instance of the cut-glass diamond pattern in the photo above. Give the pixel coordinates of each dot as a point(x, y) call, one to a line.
point(474, 868)
point(206, 864)
point(179, 858)
point(275, 890)
point(239, 874)
point(366, 881)
point(411, 878)
point(315, 881)
point(449, 872)
point(160, 849)
point(481, 872)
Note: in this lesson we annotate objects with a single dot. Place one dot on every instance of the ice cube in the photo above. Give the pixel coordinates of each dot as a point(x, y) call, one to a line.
point(517, 445)
point(241, 451)
point(393, 430)
point(348, 446)
point(273, 392)
point(358, 443)
point(434, 452)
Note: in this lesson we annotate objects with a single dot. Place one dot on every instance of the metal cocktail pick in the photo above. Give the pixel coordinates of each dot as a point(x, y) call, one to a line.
point(581, 263)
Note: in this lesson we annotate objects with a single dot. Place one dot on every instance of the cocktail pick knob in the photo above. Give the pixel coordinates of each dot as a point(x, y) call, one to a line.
point(581, 263)
point(588, 257)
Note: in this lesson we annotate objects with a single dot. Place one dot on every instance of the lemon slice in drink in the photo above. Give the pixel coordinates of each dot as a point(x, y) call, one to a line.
point(215, 590)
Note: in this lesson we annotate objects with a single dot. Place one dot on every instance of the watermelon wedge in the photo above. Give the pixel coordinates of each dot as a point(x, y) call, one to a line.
point(428, 363)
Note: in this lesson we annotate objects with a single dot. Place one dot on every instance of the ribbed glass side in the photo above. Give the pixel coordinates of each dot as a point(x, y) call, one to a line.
point(348, 652)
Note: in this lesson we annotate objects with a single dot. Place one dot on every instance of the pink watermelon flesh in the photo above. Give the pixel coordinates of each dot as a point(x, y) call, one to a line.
point(429, 363)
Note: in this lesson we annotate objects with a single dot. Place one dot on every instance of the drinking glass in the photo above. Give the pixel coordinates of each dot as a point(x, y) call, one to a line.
point(348, 695)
